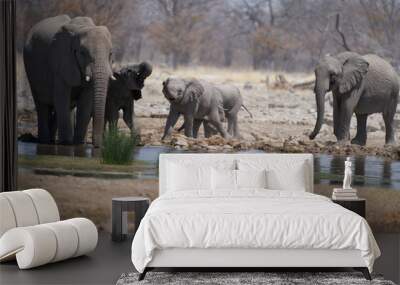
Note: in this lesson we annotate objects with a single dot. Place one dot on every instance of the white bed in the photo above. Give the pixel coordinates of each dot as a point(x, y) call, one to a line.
point(279, 225)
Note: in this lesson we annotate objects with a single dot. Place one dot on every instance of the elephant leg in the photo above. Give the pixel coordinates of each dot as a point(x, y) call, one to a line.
point(344, 129)
point(216, 122)
point(336, 115)
point(72, 116)
point(62, 103)
point(181, 128)
point(361, 136)
point(346, 111)
point(218, 125)
point(53, 126)
point(388, 118)
point(208, 129)
point(230, 125)
point(172, 118)
point(128, 115)
point(236, 133)
point(196, 127)
point(113, 117)
point(84, 110)
point(233, 129)
point(43, 117)
point(189, 120)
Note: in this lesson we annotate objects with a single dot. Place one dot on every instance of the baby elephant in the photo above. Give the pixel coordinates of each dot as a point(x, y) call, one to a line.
point(123, 91)
point(209, 130)
point(200, 101)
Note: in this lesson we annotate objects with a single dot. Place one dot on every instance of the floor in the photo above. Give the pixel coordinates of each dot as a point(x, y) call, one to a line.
point(389, 262)
point(104, 266)
point(110, 260)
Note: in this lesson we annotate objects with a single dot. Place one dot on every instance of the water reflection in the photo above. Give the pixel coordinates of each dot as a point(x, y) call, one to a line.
point(359, 169)
point(78, 150)
point(149, 154)
point(317, 169)
point(368, 170)
point(387, 173)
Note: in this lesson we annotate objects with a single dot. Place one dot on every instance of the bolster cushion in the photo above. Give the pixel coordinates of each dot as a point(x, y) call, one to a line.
point(26, 208)
point(40, 244)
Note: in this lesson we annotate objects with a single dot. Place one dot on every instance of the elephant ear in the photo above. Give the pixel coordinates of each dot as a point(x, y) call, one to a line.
point(194, 90)
point(354, 69)
point(63, 51)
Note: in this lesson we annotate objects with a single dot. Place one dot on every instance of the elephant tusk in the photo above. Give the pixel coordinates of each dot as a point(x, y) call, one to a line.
point(113, 77)
point(87, 78)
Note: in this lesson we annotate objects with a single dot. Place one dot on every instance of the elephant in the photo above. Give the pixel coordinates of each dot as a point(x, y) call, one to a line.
point(209, 130)
point(68, 64)
point(200, 101)
point(123, 91)
point(360, 84)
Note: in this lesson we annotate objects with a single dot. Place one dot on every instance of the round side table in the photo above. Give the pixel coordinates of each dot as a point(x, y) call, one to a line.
point(120, 208)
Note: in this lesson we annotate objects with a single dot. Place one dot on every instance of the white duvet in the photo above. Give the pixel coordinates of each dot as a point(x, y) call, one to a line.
point(250, 219)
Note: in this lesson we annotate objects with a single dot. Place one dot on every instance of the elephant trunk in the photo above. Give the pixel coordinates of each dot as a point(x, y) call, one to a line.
point(320, 99)
point(101, 75)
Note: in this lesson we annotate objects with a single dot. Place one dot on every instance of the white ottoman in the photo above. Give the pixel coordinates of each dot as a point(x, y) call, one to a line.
point(30, 230)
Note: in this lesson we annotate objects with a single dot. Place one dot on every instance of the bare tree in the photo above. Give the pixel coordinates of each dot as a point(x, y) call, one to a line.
point(382, 18)
point(342, 36)
point(273, 34)
point(178, 30)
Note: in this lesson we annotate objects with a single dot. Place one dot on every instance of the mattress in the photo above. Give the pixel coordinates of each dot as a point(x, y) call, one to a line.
point(250, 219)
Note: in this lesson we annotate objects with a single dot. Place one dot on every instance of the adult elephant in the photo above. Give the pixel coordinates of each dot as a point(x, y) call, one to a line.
point(200, 101)
point(360, 84)
point(68, 64)
point(123, 91)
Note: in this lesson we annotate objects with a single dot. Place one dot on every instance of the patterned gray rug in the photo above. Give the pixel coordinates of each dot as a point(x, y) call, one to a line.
point(243, 278)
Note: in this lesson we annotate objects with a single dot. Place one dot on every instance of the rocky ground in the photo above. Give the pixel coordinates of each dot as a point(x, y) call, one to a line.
point(283, 116)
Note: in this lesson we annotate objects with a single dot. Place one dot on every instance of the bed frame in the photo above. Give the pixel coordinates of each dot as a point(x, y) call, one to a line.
point(249, 259)
point(242, 259)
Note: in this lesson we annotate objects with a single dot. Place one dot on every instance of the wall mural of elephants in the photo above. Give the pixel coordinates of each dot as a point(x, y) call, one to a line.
point(361, 84)
point(68, 64)
point(174, 76)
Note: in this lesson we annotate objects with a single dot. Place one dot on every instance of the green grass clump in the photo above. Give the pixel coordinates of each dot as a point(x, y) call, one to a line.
point(118, 147)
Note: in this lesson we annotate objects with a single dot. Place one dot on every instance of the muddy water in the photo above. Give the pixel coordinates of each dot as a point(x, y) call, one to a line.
point(328, 169)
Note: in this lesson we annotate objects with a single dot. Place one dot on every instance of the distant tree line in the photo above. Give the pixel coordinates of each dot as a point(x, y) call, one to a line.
point(262, 34)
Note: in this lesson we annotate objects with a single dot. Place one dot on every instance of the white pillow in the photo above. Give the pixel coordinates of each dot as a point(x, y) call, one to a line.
point(223, 179)
point(251, 178)
point(183, 177)
point(284, 174)
point(290, 178)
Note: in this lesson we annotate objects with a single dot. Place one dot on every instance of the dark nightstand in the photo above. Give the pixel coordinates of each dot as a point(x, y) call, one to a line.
point(358, 206)
point(120, 208)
